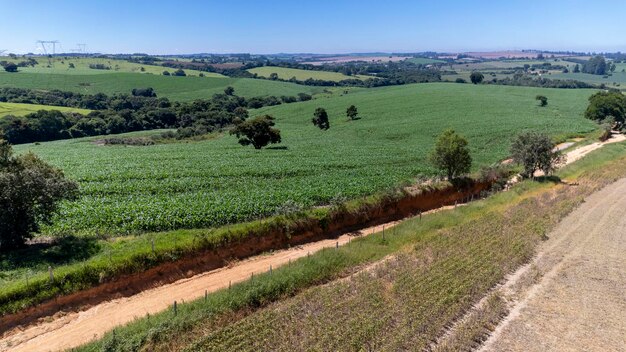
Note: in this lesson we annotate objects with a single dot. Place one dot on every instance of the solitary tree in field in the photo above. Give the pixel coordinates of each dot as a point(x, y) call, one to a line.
point(30, 191)
point(257, 131)
point(180, 73)
point(476, 77)
point(577, 68)
point(166, 73)
point(451, 155)
point(543, 100)
point(320, 119)
point(10, 67)
point(352, 112)
point(535, 151)
point(229, 90)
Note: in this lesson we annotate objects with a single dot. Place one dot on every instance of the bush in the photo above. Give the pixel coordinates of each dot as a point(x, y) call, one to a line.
point(143, 92)
point(10, 67)
point(543, 101)
point(30, 191)
point(476, 77)
point(179, 73)
point(166, 73)
point(460, 80)
point(304, 97)
point(535, 152)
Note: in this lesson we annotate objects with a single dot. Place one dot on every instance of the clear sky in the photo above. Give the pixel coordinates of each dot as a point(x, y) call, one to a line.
point(321, 26)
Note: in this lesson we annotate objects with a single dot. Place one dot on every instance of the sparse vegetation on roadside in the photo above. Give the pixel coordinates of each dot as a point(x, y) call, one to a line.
point(535, 152)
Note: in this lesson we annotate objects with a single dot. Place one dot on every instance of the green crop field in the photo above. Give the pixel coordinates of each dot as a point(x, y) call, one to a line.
point(616, 80)
point(176, 88)
point(60, 65)
point(17, 109)
point(424, 61)
point(302, 75)
point(214, 182)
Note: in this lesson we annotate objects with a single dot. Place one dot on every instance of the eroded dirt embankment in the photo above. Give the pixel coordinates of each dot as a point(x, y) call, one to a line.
point(279, 238)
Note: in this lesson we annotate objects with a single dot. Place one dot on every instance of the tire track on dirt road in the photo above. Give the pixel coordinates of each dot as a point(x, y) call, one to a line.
point(579, 301)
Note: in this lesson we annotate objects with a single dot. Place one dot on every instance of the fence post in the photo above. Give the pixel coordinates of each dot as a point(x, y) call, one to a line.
point(152, 246)
point(383, 232)
point(206, 295)
point(270, 269)
point(337, 245)
point(51, 274)
point(175, 308)
point(229, 284)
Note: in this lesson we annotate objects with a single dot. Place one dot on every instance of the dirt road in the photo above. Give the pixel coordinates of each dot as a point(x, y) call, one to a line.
point(76, 328)
point(573, 296)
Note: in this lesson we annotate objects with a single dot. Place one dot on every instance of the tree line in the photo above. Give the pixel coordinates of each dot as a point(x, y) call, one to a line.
point(121, 113)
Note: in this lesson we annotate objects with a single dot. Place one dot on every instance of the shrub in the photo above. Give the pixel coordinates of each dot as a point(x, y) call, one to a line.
point(535, 152)
point(543, 101)
point(30, 191)
point(476, 77)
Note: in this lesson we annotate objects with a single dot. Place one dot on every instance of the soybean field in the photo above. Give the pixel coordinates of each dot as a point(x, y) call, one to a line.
point(215, 182)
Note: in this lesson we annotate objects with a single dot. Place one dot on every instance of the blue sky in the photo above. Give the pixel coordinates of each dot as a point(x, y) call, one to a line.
point(322, 26)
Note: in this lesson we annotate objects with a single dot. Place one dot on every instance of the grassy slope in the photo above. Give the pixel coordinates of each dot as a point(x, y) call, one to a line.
point(302, 75)
point(617, 77)
point(17, 109)
point(176, 88)
point(424, 61)
point(60, 65)
point(443, 264)
point(191, 185)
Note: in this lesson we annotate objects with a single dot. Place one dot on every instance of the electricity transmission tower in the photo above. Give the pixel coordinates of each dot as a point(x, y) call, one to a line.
point(45, 45)
point(82, 48)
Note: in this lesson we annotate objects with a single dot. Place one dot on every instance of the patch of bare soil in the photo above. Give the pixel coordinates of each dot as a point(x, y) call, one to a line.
point(64, 331)
point(572, 297)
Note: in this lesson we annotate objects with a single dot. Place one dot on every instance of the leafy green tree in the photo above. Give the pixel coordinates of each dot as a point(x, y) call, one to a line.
point(535, 152)
point(451, 155)
point(30, 191)
point(607, 105)
point(166, 73)
point(543, 100)
point(179, 73)
point(273, 76)
point(10, 67)
point(257, 131)
point(320, 119)
point(476, 77)
point(229, 90)
point(577, 68)
point(352, 112)
point(595, 66)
